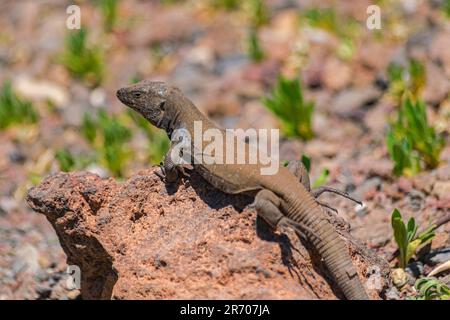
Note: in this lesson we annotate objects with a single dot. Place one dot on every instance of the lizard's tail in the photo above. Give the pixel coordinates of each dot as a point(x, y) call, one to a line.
point(328, 243)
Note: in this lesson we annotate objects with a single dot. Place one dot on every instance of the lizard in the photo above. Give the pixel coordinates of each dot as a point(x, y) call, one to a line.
point(281, 199)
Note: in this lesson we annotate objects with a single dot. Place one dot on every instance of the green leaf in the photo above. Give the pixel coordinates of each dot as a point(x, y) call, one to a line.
point(400, 235)
point(411, 249)
point(412, 142)
point(306, 162)
point(13, 109)
point(412, 228)
point(321, 180)
point(287, 103)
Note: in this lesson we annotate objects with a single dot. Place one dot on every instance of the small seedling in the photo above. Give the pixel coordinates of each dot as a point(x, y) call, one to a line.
point(432, 289)
point(446, 8)
point(254, 49)
point(406, 237)
point(412, 142)
point(65, 160)
point(68, 162)
point(322, 179)
point(258, 12)
point(306, 162)
point(288, 104)
point(327, 19)
point(409, 80)
point(321, 18)
point(81, 59)
point(225, 4)
point(108, 136)
point(109, 12)
point(13, 109)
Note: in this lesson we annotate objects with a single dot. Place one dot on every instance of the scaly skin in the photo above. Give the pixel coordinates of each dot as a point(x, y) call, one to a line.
point(280, 198)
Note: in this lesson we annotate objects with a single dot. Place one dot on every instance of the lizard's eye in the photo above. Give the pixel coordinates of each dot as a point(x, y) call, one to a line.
point(162, 105)
point(137, 94)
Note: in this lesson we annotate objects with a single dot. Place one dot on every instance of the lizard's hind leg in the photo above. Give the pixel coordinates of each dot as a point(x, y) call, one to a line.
point(298, 169)
point(267, 207)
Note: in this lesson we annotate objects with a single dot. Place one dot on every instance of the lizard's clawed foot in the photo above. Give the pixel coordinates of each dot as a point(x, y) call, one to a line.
point(325, 205)
point(300, 228)
point(299, 170)
point(318, 191)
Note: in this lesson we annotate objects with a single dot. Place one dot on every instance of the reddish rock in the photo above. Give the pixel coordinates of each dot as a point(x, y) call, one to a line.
point(140, 240)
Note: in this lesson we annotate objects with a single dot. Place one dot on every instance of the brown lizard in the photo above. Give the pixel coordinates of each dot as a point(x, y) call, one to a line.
point(280, 199)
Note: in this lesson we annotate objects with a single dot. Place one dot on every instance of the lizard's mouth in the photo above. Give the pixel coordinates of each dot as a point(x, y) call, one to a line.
point(121, 95)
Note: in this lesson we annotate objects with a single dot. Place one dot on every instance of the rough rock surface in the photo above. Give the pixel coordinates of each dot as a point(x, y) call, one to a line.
point(143, 240)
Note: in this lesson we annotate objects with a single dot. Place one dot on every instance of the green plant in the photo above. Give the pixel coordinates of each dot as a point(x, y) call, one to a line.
point(81, 59)
point(225, 4)
point(109, 12)
point(406, 237)
point(65, 160)
point(288, 104)
point(68, 162)
point(108, 136)
point(254, 49)
point(306, 162)
point(158, 143)
point(13, 109)
point(326, 18)
point(322, 179)
point(406, 80)
point(412, 142)
point(432, 289)
point(258, 12)
point(446, 7)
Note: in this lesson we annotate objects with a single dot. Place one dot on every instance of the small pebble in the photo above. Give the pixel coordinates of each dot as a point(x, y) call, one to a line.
point(399, 277)
point(438, 256)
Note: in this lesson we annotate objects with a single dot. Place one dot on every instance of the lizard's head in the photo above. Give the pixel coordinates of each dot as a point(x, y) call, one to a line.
point(151, 99)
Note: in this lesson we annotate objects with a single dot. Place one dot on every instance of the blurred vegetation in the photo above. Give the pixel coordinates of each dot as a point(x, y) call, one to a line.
point(65, 160)
point(109, 12)
point(409, 80)
point(446, 7)
point(406, 237)
point(69, 162)
point(158, 142)
point(347, 30)
point(412, 142)
point(431, 289)
point(225, 4)
point(83, 60)
point(255, 51)
point(288, 104)
point(13, 109)
point(255, 10)
point(322, 179)
point(108, 136)
point(259, 14)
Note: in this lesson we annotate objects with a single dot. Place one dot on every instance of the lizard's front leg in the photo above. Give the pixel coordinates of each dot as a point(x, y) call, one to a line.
point(170, 171)
point(267, 206)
